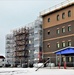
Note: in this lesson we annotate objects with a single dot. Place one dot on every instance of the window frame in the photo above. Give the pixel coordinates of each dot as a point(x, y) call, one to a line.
point(58, 45)
point(63, 44)
point(69, 28)
point(58, 17)
point(63, 15)
point(48, 32)
point(48, 45)
point(48, 19)
point(63, 30)
point(58, 31)
point(69, 43)
point(69, 13)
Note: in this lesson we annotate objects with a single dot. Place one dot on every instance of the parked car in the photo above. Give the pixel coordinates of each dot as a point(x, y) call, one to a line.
point(2, 61)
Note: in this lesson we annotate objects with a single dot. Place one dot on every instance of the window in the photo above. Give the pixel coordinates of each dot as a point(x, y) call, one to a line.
point(63, 30)
point(69, 28)
point(57, 31)
point(63, 15)
point(30, 42)
point(63, 44)
point(69, 13)
point(64, 59)
point(70, 59)
point(48, 45)
point(48, 19)
point(69, 43)
point(48, 32)
point(58, 45)
point(58, 17)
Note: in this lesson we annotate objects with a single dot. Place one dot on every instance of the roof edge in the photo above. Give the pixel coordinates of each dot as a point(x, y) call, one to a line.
point(55, 8)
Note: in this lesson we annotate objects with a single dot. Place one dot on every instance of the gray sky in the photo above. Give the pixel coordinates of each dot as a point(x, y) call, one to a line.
point(18, 13)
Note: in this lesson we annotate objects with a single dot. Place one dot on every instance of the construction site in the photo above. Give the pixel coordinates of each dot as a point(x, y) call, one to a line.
point(21, 37)
point(45, 38)
point(27, 44)
point(10, 49)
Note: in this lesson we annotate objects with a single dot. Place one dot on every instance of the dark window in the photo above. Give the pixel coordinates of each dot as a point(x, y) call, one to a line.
point(63, 15)
point(69, 28)
point(48, 32)
point(69, 43)
point(69, 13)
point(63, 44)
point(57, 31)
point(67, 59)
point(48, 45)
point(63, 30)
point(48, 19)
point(58, 17)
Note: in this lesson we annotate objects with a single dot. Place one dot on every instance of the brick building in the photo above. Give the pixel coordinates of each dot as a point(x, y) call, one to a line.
point(58, 28)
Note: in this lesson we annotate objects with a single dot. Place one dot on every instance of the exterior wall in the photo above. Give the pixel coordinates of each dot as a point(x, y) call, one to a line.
point(53, 44)
point(53, 38)
point(53, 17)
point(54, 35)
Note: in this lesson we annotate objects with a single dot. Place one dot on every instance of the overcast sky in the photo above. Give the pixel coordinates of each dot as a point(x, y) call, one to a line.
point(18, 13)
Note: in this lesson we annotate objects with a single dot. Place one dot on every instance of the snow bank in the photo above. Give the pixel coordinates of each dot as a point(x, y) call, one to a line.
point(38, 65)
point(31, 71)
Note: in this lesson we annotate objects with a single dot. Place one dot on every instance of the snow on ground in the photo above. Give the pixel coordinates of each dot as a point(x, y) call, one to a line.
point(31, 71)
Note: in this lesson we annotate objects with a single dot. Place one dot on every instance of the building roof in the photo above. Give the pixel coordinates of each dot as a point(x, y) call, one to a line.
point(57, 7)
point(67, 50)
point(2, 57)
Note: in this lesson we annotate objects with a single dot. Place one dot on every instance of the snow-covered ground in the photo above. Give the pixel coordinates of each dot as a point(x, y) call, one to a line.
point(31, 71)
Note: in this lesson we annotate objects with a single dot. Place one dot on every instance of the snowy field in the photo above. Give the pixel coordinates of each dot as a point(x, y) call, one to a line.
point(31, 71)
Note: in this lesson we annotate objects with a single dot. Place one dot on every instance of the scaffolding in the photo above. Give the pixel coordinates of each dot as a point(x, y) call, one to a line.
point(35, 41)
point(21, 37)
point(38, 40)
point(27, 43)
point(10, 49)
point(31, 43)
